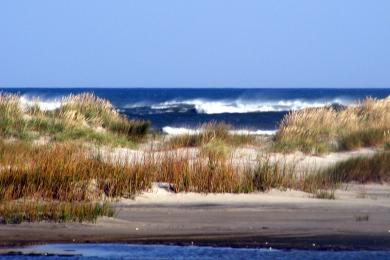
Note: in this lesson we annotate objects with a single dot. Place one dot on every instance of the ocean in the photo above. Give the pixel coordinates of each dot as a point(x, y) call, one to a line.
point(174, 110)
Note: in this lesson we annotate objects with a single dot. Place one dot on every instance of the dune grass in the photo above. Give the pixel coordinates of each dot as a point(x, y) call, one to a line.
point(267, 175)
point(67, 181)
point(62, 182)
point(50, 177)
point(217, 132)
point(84, 117)
point(64, 172)
point(361, 169)
point(16, 212)
point(320, 130)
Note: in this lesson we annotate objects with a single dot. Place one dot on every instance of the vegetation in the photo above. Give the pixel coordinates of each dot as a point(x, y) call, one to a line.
point(64, 180)
point(359, 218)
point(361, 169)
point(211, 132)
point(65, 172)
point(54, 176)
point(61, 182)
point(375, 169)
point(83, 117)
point(16, 212)
point(267, 175)
point(324, 194)
point(319, 130)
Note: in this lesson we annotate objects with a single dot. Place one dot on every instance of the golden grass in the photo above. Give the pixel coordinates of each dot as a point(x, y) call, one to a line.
point(83, 116)
point(88, 109)
point(66, 181)
point(67, 172)
point(64, 172)
point(62, 182)
point(210, 132)
point(319, 130)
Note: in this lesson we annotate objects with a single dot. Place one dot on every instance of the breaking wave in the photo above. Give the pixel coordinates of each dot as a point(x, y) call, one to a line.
point(44, 104)
point(204, 106)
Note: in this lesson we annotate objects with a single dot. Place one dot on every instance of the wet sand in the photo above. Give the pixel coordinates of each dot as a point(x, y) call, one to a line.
point(359, 218)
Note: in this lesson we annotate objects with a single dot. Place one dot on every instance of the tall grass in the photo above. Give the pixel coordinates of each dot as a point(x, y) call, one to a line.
point(16, 212)
point(210, 132)
point(12, 122)
point(319, 130)
point(267, 175)
point(64, 181)
point(364, 169)
point(83, 116)
point(66, 173)
point(361, 169)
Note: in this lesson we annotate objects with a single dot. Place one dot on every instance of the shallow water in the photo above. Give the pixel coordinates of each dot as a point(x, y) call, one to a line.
point(126, 251)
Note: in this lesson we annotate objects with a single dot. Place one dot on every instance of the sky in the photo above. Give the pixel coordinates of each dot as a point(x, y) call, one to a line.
point(195, 43)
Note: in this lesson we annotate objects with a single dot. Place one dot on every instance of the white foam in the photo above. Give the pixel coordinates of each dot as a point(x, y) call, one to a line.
point(45, 105)
point(183, 131)
point(205, 106)
point(253, 132)
point(180, 130)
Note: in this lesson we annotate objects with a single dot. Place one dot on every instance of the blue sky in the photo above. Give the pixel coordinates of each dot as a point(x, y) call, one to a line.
point(194, 43)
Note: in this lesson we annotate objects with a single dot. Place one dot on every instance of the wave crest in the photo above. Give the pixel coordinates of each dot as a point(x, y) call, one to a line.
point(44, 104)
point(204, 106)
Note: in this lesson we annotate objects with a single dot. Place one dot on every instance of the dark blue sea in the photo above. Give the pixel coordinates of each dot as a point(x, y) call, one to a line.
point(125, 251)
point(172, 109)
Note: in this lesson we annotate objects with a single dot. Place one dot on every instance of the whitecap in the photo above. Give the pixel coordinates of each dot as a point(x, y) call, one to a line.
point(206, 106)
point(44, 104)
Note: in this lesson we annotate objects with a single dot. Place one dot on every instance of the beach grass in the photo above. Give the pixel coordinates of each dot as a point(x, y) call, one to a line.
point(59, 174)
point(64, 172)
point(216, 132)
point(83, 117)
point(362, 170)
point(374, 169)
point(16, 212)
point(320, 130)
point(268, 175)
point(62, 182)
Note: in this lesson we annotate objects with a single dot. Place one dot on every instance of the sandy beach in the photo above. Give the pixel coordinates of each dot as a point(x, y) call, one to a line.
point(359, 218)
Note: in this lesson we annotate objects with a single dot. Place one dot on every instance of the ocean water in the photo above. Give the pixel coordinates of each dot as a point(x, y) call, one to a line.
point(176, 110)
point(126, 251)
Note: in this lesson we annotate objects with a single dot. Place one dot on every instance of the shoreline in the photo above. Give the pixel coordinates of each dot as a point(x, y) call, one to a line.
point(280, 220)
point(336, 242)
